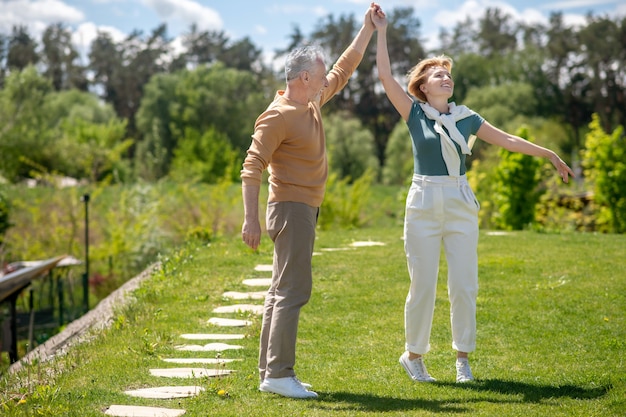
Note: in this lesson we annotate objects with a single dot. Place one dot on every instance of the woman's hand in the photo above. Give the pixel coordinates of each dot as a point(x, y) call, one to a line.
point(379, 19)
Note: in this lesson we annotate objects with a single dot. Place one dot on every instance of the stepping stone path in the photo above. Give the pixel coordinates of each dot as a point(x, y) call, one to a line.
point(214, 361)
point(258, 282)
point(218, 321)
point(189, 372)
point(138, 411)
point(183, 391)
point(264, 268)
point(240, 308)
point(211, 347)
point(235, 295)
point(166, 393)
point(211, 336)
point(365, 244)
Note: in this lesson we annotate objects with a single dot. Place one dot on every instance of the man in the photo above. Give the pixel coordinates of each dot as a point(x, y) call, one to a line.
point(289, 141)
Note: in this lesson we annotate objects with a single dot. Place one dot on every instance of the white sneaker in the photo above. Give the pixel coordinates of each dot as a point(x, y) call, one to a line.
point(415, 368)
point(304, 384)
point(287, 387)
point(463, 371)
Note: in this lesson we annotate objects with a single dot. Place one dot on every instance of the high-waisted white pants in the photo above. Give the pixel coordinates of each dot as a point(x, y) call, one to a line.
point(441, 209)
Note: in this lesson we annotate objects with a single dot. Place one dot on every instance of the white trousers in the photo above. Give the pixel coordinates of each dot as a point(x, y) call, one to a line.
point(441, 209)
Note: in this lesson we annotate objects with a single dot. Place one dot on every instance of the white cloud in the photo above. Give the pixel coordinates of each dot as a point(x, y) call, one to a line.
point(36, 15)
point(297, 9)
point(572, 4)
point(186, 13)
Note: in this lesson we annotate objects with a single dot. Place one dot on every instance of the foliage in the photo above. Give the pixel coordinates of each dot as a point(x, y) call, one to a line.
point(205, 158)
point(398, 156)
point(350, 146)
point(482, 179)
point(500, 104)
point(4, 217)
point(604, 163)
point(516, 194)
point(25, 128)
point(569, 209)
point(68, 133)
point(216, 97)
point(101, 147)
point(345, 205)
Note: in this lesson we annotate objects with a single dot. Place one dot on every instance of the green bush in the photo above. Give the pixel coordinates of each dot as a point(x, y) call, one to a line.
point(516, 194)
point(4, 217)
point(604, 163)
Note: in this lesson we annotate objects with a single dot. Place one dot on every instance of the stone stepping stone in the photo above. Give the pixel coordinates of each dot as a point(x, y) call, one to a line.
point(189, 372)
point(139, 411)
point(365, 244)
point(213, 361)
point(264, 268)
point(236, 295)
point(258, 282)
point(218, 321)
point(240, 308)
point(211, 336)
point(166, 393)
point(210, 347)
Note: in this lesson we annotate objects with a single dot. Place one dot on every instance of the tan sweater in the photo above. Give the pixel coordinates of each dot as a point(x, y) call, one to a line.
point(289, 141)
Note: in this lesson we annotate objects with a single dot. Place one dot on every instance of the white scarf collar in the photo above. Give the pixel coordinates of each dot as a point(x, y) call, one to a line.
point(450, 154)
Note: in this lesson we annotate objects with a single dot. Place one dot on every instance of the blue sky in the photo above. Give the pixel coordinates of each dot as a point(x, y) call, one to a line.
point(267, 23)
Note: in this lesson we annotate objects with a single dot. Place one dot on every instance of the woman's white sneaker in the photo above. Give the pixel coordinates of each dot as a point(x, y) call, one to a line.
point(415, 368)
point(463, 371)
point(287, 387)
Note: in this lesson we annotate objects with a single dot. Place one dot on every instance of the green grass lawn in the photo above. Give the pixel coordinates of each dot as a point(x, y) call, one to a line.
point(551, 335)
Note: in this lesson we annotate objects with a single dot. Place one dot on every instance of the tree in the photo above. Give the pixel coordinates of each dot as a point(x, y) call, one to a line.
point(398, 156)
point(516, 194)
point(121, 71)
point(604, 163)
point(24, 131)
point(350, 147)
point(496, 35)
point(603, 54)
point(208, 97)
point(22, 50)
point(60, 57)
point(206, 157)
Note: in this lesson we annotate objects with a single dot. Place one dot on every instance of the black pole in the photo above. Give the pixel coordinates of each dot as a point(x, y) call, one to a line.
point(85, 199)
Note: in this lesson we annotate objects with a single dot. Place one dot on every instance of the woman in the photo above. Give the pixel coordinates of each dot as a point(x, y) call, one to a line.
point(440, 205)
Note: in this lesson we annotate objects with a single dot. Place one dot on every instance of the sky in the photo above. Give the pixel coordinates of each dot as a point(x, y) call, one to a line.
point(267, 23)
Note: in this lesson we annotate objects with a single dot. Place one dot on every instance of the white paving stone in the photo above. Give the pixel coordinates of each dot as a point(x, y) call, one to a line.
point(218, 321)
point(258, 282)
point(211, 336)
point(264, 268)
point(366, 243)
point(240, 308)
point(236, 295)
point(497, 233)
point(166, 393)
point(214, 361)
point(139, 411)
point(189, 372)
point(210, 347)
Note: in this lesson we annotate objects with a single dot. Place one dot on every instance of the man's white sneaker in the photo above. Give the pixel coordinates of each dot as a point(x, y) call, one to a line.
point(304, 384)
point(463, 371)
point(415, 368)
point(287, 387)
